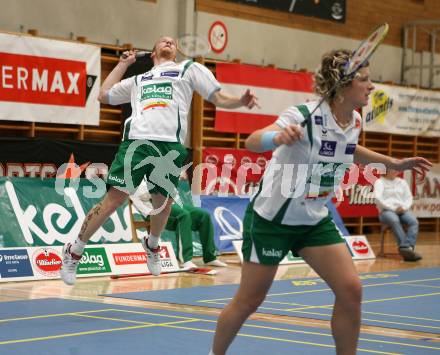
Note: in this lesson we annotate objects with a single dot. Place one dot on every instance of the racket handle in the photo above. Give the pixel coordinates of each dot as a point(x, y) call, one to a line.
point(139, 54)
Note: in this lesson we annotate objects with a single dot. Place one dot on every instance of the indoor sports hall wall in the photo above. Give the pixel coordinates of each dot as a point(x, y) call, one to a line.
point(139, 22)
point(256, 36)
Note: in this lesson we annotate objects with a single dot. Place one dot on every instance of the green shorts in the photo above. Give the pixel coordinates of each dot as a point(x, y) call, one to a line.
point(159, 162)
point(266, 242)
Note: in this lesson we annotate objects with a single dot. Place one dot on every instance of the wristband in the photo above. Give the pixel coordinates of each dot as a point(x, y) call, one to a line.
point(267, 140)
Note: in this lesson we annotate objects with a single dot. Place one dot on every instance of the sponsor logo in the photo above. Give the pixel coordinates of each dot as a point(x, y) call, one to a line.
point(318, 120)
point(44, 80)
point(130, 258)
point(360, 247)
point(272, 253)
point(381, 105)
point(47, 262)
point(170, 73)
point(230, 160)
point(155, 105)
point(165, 258)
point(146, 77)
point(15, 263)
point(34, 228)
point(262, 162)
point(357, 124)
point(212, 159)
point(164, 253)
point(115, 178)
point(94, 261)
point(230, 225)
point(350, 148)
point(157, 91)
point(245, 160)
point(328, 148)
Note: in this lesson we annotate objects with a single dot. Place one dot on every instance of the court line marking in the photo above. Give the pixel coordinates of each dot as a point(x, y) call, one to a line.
point(423, 285)
point(89, 332)
point(189, 319)
point(360, 338)
point(287, 330)
point(53, 315)
point(324, 289)
point(288, 340)
point(300, 310)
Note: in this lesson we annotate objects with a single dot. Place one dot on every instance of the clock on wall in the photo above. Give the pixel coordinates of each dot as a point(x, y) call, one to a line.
point(218, 36)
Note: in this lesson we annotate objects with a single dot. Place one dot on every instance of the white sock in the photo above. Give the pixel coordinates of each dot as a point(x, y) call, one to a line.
point(78, 247)
point(211, 352)
point(153, 242)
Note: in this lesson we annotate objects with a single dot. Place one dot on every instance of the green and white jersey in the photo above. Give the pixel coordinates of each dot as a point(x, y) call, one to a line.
point(161, 99)
point(301, 178)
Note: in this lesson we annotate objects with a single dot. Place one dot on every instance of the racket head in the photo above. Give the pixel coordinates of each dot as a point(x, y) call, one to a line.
point(193, 45)
point(366, 49)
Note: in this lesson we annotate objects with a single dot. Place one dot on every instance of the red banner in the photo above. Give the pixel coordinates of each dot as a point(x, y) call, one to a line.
point(43, 80)
point(235, 171)
point(357, 199)
point(276, 90)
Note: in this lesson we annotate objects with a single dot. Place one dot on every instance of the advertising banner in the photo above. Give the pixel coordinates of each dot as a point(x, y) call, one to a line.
point(50, 212)
point(35, 212)
point(43, 263)
point(276, 91)
point(227, 215)
point(357, 199)
point(402, 110)
point(359, 247)
point(236, 171)
point(47, 80)
point(426, 191)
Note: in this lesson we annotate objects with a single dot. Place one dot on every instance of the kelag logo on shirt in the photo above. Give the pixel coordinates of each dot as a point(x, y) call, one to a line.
point(328, 148)
point(157, 91)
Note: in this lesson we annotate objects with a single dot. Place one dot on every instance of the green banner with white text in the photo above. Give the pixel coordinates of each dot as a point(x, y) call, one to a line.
point(46, 212)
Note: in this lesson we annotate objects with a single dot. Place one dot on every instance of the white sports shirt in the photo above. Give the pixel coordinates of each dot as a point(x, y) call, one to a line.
point(161, 99)
point(392, 194)
point(301, 178)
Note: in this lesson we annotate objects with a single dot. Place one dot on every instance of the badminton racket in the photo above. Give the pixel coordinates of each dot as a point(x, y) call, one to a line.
point(357, 60)
point(188, 45)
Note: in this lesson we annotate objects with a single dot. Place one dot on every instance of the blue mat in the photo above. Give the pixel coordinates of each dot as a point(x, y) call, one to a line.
point(405, 299)
point(66, 327)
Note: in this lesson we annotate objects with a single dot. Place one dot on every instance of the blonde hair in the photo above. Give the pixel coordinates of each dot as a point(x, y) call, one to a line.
point(331, 72)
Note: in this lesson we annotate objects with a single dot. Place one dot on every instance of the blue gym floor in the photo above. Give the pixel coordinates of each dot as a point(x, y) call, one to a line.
point(405, 299)
point(65, 327)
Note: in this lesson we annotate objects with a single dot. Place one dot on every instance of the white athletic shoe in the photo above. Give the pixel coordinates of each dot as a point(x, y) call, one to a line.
point(69, 266)
point(217, 263)
point(153, 257)
point(189, 265)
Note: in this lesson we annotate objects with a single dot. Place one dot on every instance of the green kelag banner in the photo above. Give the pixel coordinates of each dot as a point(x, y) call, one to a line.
point(43, 212)
point(36, 212)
